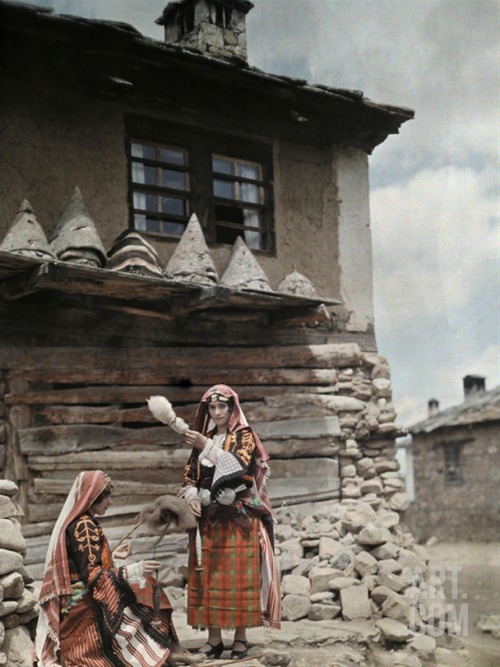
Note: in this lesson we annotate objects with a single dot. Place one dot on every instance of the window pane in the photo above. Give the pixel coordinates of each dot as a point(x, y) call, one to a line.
point(224, 189)
point(222, 166)
point(140, 223)
point(173, 179)
point(253, 240)
point(176, 228)
point(140, 200)
point(149, 175)
point(229, 213)
point(251, 218)
point(173, 205)
point(138, 175)
point(173, 156)
point(152, 225)
point(249, 170)
point(250, 193)
point(144, 151)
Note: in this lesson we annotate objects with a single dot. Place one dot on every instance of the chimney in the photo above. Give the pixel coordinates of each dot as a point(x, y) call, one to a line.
point(217, 28)
point(473, 385)
point(433, 407)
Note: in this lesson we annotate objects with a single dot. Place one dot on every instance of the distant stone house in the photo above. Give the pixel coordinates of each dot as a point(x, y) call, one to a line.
point(456, 468)
point(171, 217)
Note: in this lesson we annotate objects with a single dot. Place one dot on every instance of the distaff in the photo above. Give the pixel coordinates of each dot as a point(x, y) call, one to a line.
point(162, 409)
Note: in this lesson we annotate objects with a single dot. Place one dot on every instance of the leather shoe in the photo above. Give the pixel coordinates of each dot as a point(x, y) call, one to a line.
point(239, 655)
point(213, 651)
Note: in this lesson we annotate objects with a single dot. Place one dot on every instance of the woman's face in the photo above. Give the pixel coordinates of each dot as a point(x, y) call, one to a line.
point(220, 413)
point(102, 507)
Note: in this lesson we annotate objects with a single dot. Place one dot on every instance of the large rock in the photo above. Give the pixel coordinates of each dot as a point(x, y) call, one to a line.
point(393, 631)
point(355, 602)
point(10, 536)
point(10, 561)
point(294, 585)
point(373, 535)
point(18, 647)
point(295, 607)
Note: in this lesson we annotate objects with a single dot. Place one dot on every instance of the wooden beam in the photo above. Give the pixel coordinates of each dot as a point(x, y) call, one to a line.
point(89, 437)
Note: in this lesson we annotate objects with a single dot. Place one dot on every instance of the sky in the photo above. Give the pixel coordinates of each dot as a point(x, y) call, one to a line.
point(434, 187)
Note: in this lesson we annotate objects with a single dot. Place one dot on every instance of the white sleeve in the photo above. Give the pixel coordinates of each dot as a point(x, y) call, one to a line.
point(189, 493)
point(211, 452)
point(135, 574)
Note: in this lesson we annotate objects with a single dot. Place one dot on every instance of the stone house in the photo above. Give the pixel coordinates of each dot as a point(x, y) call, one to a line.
point(171, 218)
point(456, 468)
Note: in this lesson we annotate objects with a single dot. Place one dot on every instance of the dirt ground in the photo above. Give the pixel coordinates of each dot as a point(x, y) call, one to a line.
point(475, 568)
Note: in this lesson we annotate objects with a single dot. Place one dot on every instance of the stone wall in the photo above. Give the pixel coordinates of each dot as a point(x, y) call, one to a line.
point(465, 510)
point(18, 611)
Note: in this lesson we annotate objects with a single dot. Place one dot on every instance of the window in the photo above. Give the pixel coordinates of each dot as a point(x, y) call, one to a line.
point(453, 464)
point(226, 181)
point(160, 188)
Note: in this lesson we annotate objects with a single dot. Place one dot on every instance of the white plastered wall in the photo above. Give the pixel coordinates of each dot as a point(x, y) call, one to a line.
point(355, 243)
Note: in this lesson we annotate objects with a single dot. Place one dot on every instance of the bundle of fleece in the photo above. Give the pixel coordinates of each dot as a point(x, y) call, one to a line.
point(162, 409)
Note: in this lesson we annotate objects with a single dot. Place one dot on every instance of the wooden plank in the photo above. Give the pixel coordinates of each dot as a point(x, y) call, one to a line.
point(157, 374)
point(52, 486)
point(121, 459)
point(75, 279)
point(50, 511)
point(177, 358)
point(109, 414)
point(76, 438)
point(299, 428)
point(102, 394)
point(301, 477)
point(292, 448)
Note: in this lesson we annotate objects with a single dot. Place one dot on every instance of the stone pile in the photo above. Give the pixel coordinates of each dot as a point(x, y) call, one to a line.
point(18, 611)
point(355, 561)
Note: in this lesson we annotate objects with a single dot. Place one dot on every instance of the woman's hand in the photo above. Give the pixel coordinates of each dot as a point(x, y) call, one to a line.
point(122, 552)
point(195, 506)
point(195, 439)
point(150, 566)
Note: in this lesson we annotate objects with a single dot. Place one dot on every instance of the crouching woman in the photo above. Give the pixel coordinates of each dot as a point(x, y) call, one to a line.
point(93, 613)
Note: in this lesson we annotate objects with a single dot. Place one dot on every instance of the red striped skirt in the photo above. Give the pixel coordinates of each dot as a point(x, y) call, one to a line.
point(226, 592)
point(86, 642)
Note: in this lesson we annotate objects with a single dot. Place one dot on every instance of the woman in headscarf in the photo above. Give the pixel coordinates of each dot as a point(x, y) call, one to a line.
point(233, 581)
point(92, 613)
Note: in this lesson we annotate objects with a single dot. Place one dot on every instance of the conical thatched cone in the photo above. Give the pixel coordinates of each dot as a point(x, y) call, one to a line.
point(298, 285)
point(131, 253)
point(75, 239)
point(25, 236)
point(243, 271)
point(191, 261)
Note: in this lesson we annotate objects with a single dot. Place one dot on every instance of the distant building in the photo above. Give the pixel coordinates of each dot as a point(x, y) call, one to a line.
point(456, 468)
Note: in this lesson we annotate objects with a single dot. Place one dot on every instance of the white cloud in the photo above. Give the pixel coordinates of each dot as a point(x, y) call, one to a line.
point(435, 240)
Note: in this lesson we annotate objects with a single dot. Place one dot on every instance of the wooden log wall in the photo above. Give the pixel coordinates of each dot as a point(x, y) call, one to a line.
point(75, 386)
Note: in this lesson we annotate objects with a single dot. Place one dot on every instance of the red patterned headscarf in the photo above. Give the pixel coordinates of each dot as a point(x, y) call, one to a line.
point(86, 488)
point(236, 422)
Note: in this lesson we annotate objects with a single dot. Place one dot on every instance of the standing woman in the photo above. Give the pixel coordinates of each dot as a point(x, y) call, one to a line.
point(236, 584)
point(93, 614)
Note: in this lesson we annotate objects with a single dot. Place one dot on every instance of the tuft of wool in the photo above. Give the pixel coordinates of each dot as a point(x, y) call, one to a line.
point(168, 512)
point(162, 409)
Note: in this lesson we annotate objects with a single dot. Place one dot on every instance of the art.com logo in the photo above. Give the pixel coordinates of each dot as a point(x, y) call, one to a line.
point(437, 607)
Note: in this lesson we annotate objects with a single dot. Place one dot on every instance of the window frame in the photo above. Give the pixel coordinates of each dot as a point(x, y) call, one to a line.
point(453, 464)
point(201, 146)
